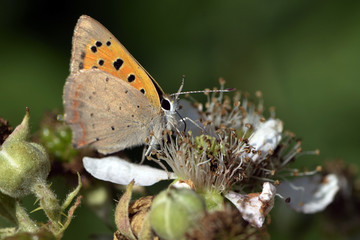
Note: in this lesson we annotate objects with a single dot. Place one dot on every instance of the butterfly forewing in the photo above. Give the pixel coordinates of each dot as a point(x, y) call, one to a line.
point(104, 111)
point(95, 47)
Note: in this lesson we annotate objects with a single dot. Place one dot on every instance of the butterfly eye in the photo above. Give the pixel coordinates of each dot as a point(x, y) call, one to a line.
point(165, 104)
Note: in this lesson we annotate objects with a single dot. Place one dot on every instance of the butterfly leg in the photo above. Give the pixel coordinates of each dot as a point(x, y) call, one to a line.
point(183, 119)
point(149, 148)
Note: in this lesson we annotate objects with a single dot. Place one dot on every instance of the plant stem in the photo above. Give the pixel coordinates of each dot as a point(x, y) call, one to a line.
point(24, 221)
point(49, 203)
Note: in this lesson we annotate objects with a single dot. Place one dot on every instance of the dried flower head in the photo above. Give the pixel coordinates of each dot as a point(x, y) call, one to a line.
point(237, 147)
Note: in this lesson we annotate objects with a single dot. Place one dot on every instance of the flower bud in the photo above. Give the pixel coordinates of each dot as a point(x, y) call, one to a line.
point(213, 200)
point(174, 211)
point(22, 163)
point(56, 138)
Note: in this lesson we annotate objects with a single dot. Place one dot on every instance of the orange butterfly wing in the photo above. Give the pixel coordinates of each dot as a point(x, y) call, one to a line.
point(95, 47)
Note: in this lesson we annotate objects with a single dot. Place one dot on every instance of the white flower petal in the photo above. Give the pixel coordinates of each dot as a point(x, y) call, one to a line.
point(254, 206)
point(265, 139)
point(310, 194)
point(117, 170)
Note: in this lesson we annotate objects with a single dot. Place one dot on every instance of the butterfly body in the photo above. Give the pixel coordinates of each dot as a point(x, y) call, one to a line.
point(111, 102)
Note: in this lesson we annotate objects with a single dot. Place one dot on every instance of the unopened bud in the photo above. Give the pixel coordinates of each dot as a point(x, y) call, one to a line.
point(22, 163)
point(174, 211)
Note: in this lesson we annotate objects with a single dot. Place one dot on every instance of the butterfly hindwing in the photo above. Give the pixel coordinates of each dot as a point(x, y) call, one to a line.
point(95, 47)
point(106, 112)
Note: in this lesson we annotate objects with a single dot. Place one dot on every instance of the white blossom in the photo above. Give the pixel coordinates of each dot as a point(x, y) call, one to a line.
point(120, 171)
point(265, 139)
point(310, 194)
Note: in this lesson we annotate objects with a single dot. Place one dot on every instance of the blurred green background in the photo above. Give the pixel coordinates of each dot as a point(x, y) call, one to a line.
point(303, 55)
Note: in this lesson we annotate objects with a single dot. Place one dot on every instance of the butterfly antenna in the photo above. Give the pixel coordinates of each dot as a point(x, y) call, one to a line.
point(180, 88)
point(204, 91)
point(179, 92)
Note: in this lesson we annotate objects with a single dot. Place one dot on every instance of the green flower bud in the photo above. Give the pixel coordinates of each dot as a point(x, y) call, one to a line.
point(174, 211)
point(57, 141)
point(22, 163)
point(213, 200)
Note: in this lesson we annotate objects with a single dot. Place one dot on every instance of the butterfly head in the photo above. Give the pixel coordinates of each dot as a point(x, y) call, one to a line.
point(169, 103)
point(169, 107)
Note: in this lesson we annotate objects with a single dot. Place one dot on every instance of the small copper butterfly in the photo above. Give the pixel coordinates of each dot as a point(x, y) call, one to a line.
point(111, 102)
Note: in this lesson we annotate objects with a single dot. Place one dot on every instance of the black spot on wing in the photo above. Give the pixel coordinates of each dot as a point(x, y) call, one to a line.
point(82, 56)
point(131, 78)
point(118, 63)
point(98, 43)
point(93, 49)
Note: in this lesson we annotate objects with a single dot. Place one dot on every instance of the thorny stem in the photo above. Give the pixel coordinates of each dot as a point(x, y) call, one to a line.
point(48, 203)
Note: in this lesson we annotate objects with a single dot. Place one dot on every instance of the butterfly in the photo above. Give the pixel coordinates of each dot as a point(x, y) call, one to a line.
point(111, 102)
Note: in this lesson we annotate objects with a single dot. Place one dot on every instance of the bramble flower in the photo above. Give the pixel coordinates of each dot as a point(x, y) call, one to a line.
point(236, 153)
